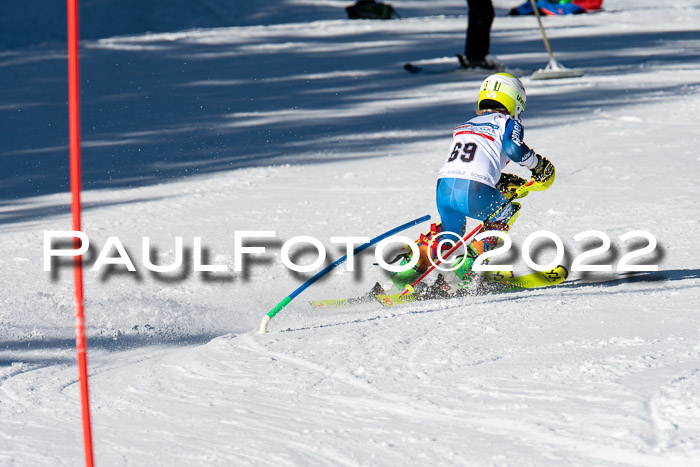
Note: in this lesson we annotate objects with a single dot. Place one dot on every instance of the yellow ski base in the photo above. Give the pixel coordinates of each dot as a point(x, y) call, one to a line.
point(506, 278)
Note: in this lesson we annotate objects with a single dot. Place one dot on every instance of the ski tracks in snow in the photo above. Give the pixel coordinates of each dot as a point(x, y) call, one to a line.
point(675, 411)
point(532, 413)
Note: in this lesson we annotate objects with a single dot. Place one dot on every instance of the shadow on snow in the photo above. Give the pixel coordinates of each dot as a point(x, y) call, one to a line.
point(160, 109)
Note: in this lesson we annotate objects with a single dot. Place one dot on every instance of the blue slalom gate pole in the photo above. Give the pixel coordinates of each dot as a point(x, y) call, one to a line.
point(271, 314)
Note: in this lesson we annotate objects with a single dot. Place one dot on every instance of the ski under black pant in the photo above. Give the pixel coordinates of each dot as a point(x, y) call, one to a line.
point(478, 29)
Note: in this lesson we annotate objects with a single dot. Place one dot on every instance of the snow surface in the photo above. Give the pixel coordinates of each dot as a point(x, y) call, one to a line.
point(297, 120)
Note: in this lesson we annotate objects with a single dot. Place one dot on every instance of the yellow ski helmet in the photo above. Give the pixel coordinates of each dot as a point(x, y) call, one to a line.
point(502, 90)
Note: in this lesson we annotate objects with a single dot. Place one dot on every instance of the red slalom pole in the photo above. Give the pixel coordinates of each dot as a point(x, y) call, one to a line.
point(74, 133)
point(465, 238)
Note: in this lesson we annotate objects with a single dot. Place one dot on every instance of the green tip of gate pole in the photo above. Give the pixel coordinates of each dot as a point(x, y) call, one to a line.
point(279, 307)
point(271, 314)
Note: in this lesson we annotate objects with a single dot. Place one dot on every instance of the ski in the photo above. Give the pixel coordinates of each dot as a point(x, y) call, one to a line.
point(496, 282)
point(341, 302)
point(528, 281)
point(447, 65)
point(345, 302)
point(427, 69)
point(441, 69)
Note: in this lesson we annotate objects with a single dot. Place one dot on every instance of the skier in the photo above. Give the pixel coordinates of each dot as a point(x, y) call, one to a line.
point(471, 183)
point(478, 37)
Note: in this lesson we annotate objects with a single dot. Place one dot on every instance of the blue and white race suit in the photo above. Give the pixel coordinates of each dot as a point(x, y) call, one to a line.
point(480, 150)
